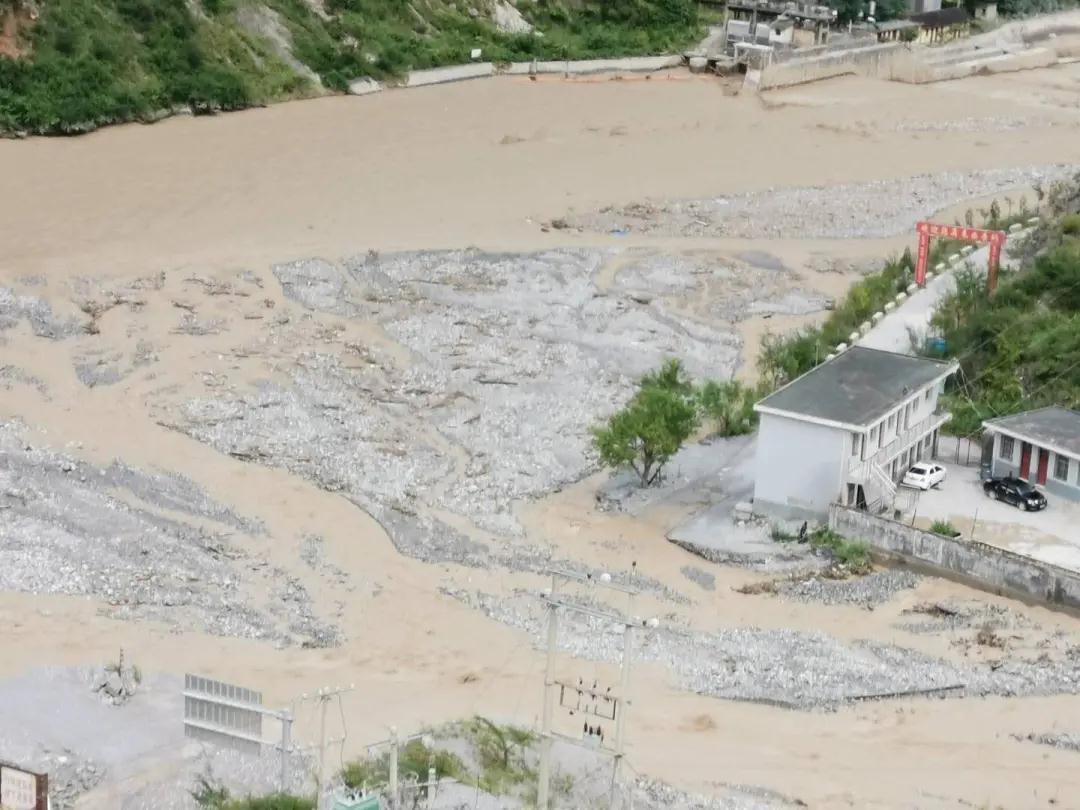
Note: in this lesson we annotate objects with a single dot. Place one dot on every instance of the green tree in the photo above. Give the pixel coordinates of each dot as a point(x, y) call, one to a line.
point(652, 427)
point(669, 377)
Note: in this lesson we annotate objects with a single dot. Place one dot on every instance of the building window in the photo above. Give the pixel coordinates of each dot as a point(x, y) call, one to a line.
point(1061, 468)
point(929, 391)
point(892, 421)
point(1008, 445)
point(855, 441)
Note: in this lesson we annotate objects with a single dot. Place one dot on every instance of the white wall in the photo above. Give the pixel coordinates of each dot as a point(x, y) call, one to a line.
point(799, 467)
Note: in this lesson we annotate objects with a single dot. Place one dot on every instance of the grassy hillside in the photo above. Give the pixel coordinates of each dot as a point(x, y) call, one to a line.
point(84, 63)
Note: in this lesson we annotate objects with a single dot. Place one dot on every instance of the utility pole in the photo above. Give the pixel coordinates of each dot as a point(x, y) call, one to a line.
point(542, 798)
point(323, 698)
point(394, 795)
point(599, 703)
point(620, 718)
point(286, 719)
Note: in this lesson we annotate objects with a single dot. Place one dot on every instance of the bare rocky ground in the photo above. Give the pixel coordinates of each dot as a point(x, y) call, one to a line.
point(838, 212)
point(507, 362)
point(151, 545)
point(793, 669)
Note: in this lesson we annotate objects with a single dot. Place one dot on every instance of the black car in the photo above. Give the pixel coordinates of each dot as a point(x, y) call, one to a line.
point(1019, 493)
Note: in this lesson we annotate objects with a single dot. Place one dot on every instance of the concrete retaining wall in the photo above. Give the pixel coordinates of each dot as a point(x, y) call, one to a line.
point(873, 60)
point(584, 67)
point(978, 564)
point(454, 73)
point(484, 70)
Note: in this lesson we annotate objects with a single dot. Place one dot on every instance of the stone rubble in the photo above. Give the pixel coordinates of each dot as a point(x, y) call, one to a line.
point(513, 358)
point(836, 212)
point(70, 776)
point(43, 322)
point(1064, 740)
point(794, 669)
point(868, 591)
point(116, 683)
point(120, 535)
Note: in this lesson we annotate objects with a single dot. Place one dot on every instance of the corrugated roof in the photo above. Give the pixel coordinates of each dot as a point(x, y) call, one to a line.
point(1049, 427)
point(858, 387)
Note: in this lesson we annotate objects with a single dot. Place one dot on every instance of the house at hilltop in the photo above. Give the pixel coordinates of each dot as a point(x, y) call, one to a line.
point(846, 432)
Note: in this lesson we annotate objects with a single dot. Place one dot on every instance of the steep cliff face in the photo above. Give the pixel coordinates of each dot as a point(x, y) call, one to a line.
point(71, 65)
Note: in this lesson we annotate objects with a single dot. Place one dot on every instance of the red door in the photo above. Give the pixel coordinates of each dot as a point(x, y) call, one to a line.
point(1025, 459)
point(1044, 462)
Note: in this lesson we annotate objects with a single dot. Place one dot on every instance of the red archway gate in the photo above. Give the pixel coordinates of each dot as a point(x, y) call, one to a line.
point(926, 230)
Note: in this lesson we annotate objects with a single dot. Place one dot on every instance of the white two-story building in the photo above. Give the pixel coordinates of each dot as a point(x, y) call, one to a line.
point(846, 432)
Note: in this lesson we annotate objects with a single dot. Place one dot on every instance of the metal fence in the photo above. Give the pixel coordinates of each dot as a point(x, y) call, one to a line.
point(223, 714)
point(961, 450)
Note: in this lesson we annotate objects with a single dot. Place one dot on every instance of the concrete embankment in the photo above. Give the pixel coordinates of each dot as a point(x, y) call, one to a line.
point(483, 70)
point(1023, 45)
point(978, 564)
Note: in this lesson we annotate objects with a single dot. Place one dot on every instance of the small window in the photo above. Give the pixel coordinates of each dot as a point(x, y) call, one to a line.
point(929, 391)
point(1008, 445)
point(855, 441)
point(1061, 468)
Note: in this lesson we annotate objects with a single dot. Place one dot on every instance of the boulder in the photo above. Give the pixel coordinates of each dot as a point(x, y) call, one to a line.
point(364, 86)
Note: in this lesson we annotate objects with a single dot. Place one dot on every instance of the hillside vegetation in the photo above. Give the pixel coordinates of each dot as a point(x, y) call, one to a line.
point(84, 63)
point(1020, 348)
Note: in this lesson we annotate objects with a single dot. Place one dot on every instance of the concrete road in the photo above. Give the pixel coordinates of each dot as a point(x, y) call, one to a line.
point(894, 332)
point(1049, 535)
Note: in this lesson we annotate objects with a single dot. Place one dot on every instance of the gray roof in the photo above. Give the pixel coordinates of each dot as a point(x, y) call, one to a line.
point(857, 387)
point(1049, 427)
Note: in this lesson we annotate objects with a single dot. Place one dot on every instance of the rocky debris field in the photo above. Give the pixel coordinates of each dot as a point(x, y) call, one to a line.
point(481, 386)
point(789, 668)
point(869, 210)
point(1063, 740)
point(866, 591)
point(951, 616)
point(151, 545)
point(30, 309)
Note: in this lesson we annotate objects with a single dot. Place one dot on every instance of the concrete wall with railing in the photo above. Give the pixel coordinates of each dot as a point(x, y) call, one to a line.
point(876, 60)
point(983, 566)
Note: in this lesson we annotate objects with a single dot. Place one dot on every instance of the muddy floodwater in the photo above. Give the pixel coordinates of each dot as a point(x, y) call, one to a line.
point(302, 396)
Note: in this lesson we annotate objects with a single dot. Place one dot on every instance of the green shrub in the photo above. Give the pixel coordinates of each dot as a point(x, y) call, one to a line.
point(211, 796)
point(783, 358)
point(1070, 225)
point(943, 527)
point(728, 406)
point(852, 555)
point(414, 757)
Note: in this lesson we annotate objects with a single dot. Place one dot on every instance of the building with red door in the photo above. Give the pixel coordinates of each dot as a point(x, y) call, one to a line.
point(1041, 446)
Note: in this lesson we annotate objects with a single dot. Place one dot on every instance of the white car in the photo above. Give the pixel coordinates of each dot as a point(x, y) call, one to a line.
point(924, 476)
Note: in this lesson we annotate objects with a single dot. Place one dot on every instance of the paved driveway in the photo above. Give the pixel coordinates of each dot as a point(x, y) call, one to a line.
point(1052, 535)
